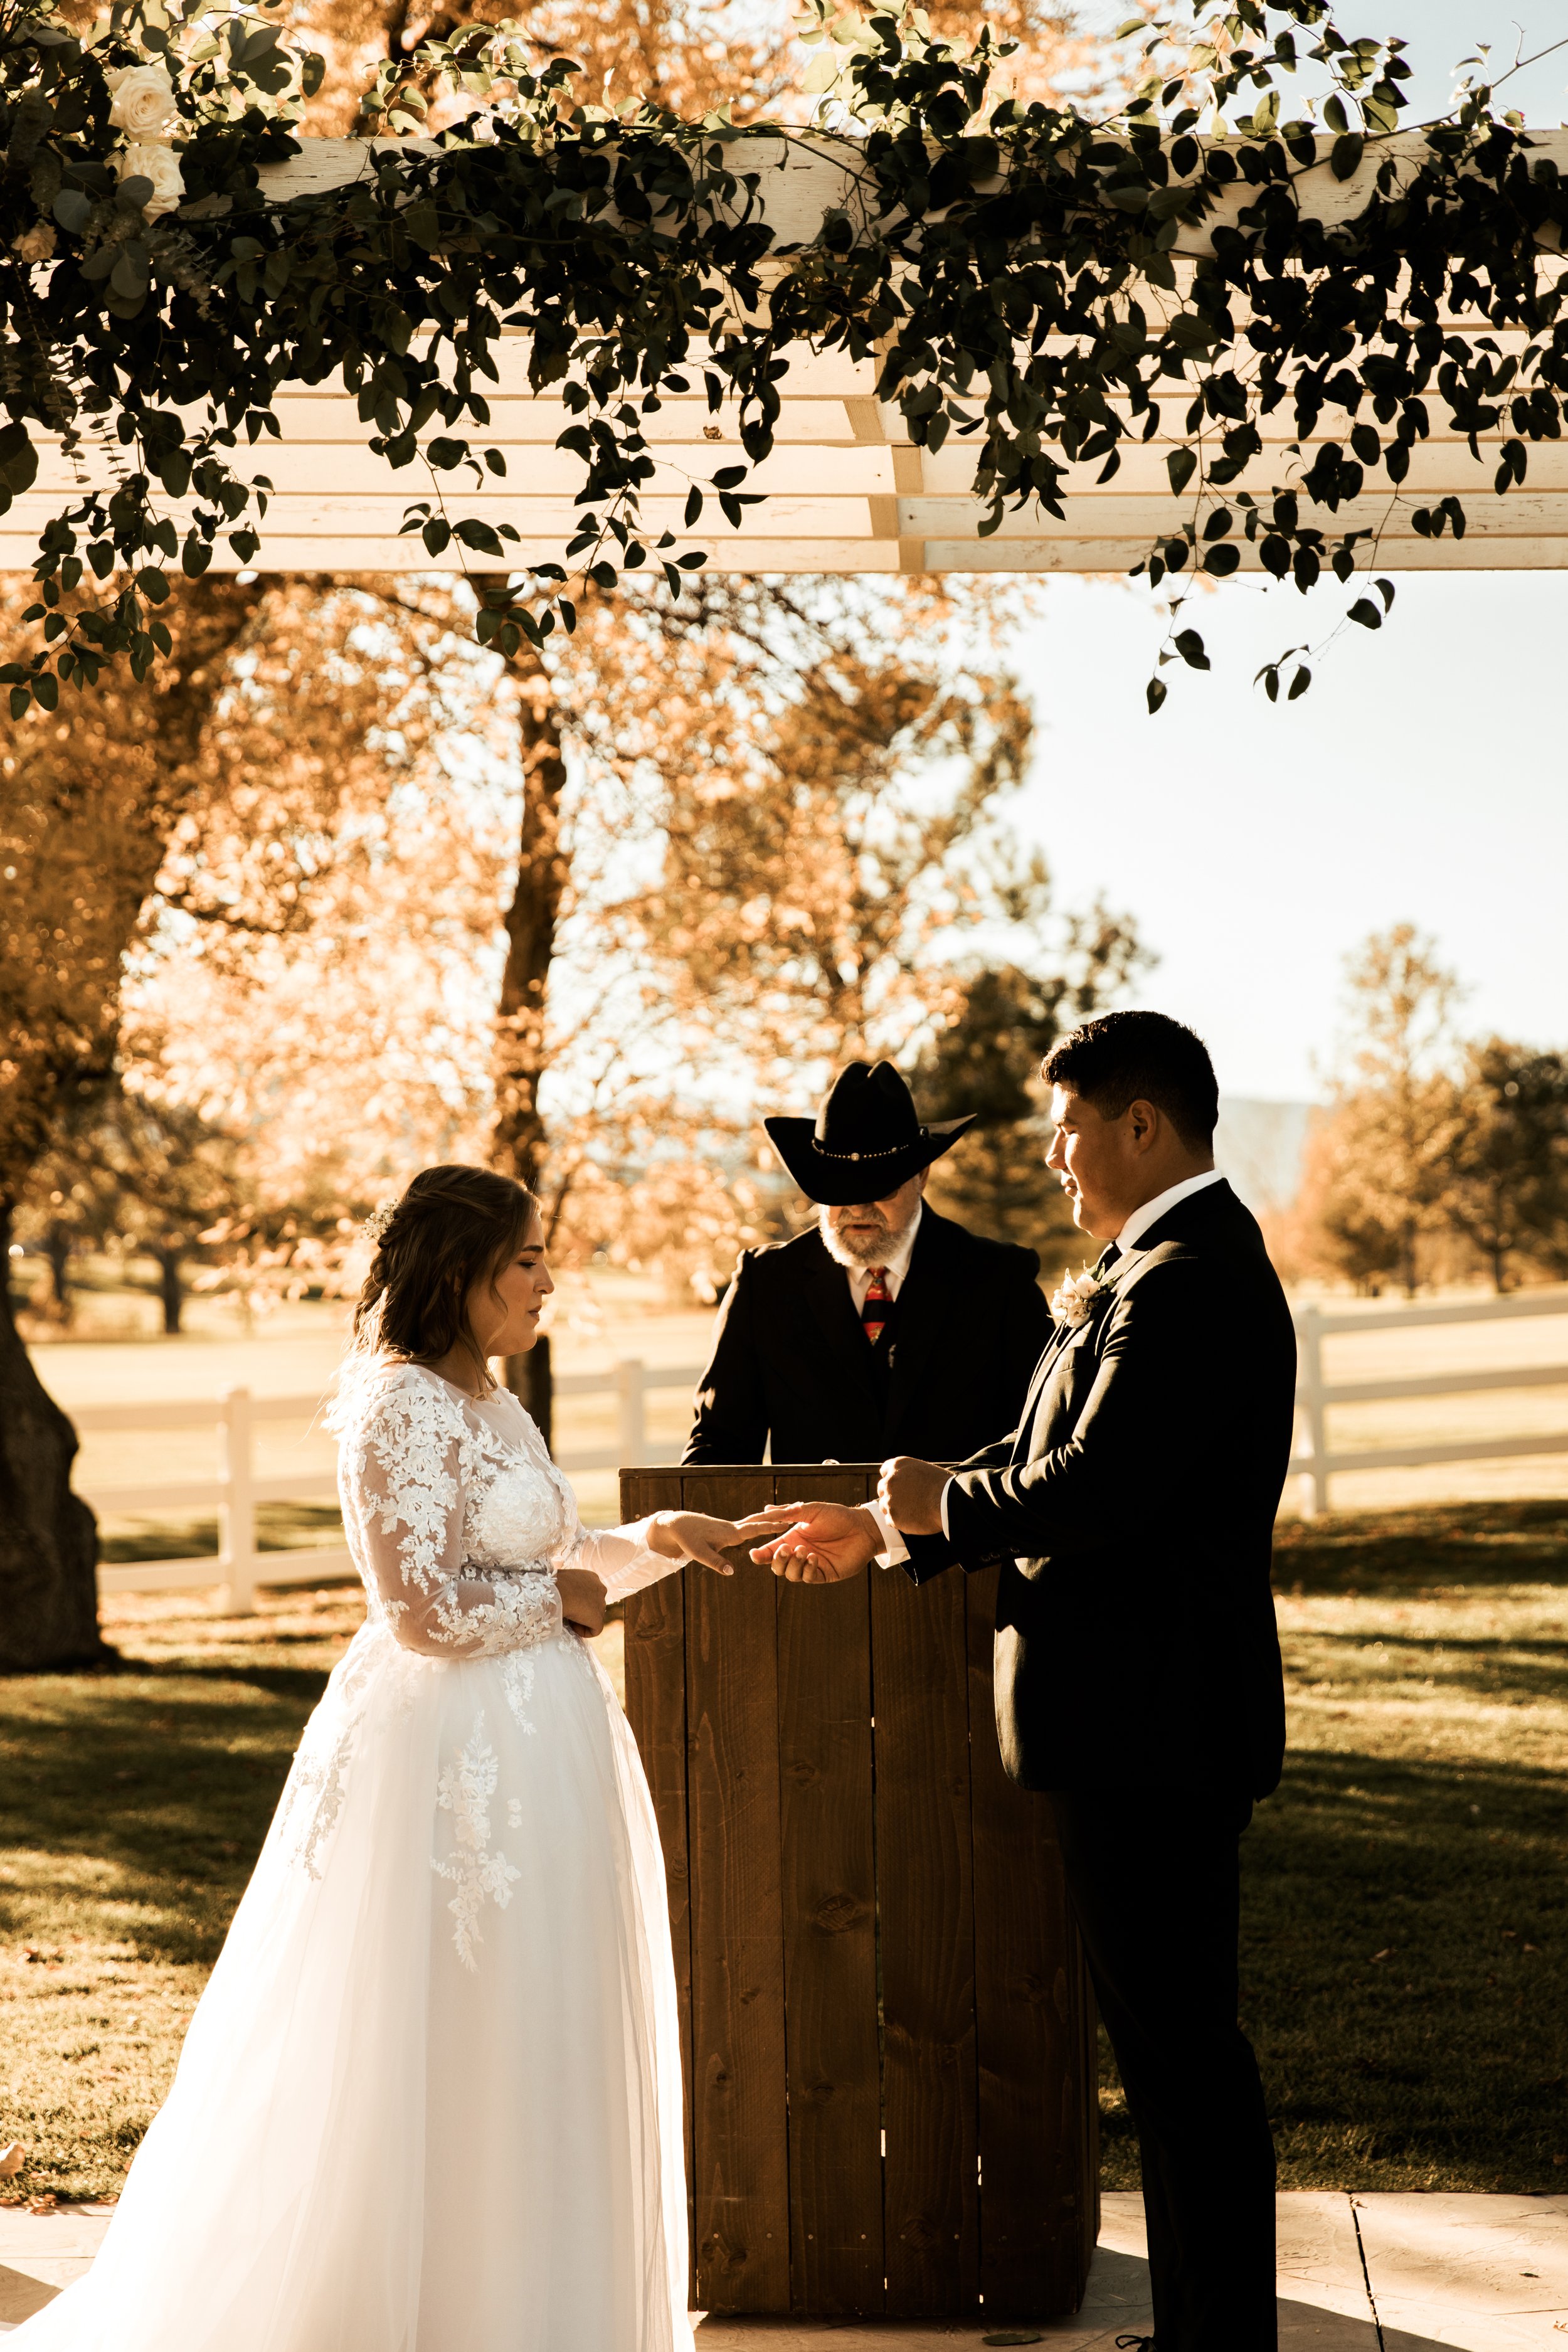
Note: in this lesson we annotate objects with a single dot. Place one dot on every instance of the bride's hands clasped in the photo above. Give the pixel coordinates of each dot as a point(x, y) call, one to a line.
point(693, 1535)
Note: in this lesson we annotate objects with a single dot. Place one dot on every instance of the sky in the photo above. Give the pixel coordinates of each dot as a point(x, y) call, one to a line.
point(1423, 779)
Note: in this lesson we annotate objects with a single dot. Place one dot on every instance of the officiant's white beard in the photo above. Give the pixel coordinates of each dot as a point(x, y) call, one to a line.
point(857, 1249)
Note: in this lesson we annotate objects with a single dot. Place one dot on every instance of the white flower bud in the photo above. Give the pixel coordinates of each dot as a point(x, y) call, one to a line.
point(144, 104)
point(152, 159)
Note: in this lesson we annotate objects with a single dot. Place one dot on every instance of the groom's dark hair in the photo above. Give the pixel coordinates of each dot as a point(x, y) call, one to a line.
point(1126, 1058)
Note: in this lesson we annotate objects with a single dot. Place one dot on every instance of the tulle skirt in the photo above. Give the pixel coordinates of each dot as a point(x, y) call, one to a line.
point(430, 2101)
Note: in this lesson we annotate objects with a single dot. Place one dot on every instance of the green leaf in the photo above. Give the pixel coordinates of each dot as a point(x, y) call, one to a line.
point(1300, 683)
point(1156, 692)
point(1364, 611)
point(18, 460)
point(1189, 645)
point(1181, 465)
point(72, 209)
point(1344, 159)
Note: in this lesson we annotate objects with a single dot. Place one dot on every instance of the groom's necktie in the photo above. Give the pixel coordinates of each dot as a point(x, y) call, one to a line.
point(876, 1306)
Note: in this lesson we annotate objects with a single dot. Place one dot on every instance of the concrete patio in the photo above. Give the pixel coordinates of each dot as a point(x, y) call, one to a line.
point(1356, 2274)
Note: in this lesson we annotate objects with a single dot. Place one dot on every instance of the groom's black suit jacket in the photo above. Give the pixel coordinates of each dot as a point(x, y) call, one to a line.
point(1133, 1511)
point(792, 1369)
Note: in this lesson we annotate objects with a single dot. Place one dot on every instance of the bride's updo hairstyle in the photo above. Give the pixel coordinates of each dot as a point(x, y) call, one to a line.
point(454, 1226)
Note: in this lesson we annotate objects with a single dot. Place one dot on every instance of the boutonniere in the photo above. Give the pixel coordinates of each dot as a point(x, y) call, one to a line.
point(1077, 1295)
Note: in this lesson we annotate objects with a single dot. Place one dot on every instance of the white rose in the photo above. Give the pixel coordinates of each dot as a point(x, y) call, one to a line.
point(150, 159)
point(1072, 1301)
point(35, 244)
point(143, 101)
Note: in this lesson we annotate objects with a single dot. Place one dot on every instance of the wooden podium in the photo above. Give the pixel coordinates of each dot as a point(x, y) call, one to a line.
point(889, 2036)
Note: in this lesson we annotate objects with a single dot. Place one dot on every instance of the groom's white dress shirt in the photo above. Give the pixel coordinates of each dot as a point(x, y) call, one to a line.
point(1148, 1214)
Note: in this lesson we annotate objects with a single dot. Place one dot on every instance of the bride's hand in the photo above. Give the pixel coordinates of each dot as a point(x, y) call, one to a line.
point(692, 1535)
point(582, 1600)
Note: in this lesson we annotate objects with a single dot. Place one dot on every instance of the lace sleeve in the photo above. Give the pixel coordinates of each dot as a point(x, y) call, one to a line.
point(620, 1556)
point(407, 1471)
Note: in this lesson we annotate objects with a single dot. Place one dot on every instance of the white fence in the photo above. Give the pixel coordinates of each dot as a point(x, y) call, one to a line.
point(234, 1490)
point(1315, 1464)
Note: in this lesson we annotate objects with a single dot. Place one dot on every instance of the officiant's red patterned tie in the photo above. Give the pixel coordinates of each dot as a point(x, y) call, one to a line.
point(878, 1302)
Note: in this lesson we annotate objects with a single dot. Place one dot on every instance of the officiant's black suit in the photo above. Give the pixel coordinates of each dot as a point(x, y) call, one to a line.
point(1139, 1685)
point(792, 1367)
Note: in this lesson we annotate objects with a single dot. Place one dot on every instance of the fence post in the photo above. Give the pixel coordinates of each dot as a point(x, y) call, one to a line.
point(236, 1502)
point(629, 1389)
point(1315, 1484)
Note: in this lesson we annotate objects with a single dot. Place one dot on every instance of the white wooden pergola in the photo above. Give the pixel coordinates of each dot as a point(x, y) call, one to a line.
point(845, 491)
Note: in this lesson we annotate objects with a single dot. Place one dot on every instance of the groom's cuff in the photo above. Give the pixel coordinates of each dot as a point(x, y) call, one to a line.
point(895, 1550)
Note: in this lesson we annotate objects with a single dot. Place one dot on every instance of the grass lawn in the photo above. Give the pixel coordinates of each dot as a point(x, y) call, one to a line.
point(1405, 1955)
point(1404, 1928)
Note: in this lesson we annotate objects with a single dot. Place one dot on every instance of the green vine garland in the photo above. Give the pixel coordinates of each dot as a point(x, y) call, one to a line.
point(1011, 269)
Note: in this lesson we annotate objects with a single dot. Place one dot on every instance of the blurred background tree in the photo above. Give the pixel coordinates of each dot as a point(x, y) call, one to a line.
point(1507, 1193)
point(1438, 1158)
point(1379, 1168)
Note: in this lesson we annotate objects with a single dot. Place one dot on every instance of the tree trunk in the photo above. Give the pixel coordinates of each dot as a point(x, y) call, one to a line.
point(529, 1378)
point(171, 1289)
point(49, 1538)
point(58, 1250)
point(517, 1143)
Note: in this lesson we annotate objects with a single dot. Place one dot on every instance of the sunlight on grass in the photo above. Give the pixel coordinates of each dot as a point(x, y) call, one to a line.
point(1405, 1935)
point(1405, 1953)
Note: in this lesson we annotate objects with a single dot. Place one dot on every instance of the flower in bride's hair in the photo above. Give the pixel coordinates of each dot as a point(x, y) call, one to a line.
point(376, 1223)
point(1075, 1297)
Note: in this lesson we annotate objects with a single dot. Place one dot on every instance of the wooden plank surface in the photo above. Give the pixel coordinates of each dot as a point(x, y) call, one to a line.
point(1029, 2038)
point(828, 1845)
point(740, 2101)
point(655, 1652)
point(919, 1692)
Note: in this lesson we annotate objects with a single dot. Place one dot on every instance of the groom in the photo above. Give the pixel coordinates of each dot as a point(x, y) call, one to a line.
point(1137, 1677)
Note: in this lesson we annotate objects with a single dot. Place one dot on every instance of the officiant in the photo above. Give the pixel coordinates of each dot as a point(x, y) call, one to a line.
point(884, 1330)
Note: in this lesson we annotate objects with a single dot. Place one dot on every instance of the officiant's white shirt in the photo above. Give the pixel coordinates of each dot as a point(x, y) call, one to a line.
point(896, 1268)
point(1142, 1219)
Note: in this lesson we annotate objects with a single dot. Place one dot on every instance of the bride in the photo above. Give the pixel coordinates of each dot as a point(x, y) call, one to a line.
point(430, 2101)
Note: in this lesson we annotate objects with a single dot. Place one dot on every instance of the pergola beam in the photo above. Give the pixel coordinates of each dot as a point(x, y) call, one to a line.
point(846, 490)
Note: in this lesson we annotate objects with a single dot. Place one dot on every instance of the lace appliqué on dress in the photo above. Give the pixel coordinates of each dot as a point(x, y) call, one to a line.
point(465, 1791)
point(318, 1778)
point(454, 1522)
point(517, 1681)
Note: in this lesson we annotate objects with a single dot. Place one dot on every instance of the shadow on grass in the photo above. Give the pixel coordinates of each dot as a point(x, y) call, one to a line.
point(149, 1788)
point(1519, 1666)
point(1405, 1972)
point(279, 1526)
point(1423, 1550)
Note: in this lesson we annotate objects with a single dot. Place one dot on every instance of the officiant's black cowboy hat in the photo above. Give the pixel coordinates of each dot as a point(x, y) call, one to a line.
point(866, 1141)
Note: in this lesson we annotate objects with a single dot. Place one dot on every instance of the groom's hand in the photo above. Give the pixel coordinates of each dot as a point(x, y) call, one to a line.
point(815, 1543)
point(911, 1493)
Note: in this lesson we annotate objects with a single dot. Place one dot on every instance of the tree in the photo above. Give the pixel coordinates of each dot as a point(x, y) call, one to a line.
point(1507, 1184)
point(140, 1177)
point(1383, 1171)
point(752, 841)
point(986, 1059)
point(86, 811)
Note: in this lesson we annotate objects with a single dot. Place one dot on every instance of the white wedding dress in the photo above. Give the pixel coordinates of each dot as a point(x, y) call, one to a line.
point(430, 2101)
